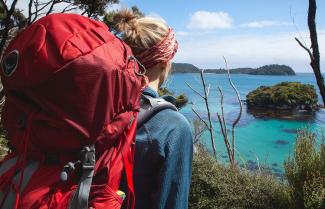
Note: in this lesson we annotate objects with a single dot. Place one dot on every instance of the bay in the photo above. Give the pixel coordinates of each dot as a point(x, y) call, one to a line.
point(259, 141)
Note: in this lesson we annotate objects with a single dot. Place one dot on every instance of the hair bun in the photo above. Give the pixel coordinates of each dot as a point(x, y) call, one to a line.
point(125, 21)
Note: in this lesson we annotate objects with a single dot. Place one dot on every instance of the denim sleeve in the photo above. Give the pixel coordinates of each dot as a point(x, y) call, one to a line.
point(175, 174)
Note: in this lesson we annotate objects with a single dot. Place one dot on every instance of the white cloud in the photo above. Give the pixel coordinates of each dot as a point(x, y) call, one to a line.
point(247, 51)
point(210, 20)
point(262, 24)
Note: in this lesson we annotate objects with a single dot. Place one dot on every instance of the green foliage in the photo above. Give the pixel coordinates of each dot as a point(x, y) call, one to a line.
point(181, 100)
point(285, 95)
point(94, 8)
point(305, 172)
point(264, 70)
point(273, 70)
point(215, 186)
point(17, 20)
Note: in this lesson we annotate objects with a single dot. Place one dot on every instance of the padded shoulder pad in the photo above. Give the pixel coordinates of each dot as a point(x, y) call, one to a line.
point(151, 106)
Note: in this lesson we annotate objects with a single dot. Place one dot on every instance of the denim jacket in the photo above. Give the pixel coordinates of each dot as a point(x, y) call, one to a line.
point(163, 161)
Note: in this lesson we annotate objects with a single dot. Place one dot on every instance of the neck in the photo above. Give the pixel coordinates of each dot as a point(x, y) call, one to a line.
point(154, 85)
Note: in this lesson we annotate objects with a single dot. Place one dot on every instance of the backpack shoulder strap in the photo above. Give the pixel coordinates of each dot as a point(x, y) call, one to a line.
point(150, 106)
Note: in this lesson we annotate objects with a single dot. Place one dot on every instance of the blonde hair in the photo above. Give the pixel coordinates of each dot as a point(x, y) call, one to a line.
point(140, 33)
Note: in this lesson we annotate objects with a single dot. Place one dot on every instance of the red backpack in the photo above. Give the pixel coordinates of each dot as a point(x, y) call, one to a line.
point(72, 96)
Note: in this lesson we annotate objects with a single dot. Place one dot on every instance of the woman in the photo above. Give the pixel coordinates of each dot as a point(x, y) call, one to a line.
point(163, 158)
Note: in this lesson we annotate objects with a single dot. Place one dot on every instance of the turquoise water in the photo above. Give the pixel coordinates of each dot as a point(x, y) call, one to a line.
point(258, 141)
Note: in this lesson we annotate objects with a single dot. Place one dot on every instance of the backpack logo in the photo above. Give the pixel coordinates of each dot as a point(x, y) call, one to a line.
point(10, 63)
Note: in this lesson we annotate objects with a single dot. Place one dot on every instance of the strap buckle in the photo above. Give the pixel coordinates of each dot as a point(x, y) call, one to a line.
point(88, 157)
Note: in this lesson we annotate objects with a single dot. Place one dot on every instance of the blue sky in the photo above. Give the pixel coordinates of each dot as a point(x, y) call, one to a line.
point(248, 33)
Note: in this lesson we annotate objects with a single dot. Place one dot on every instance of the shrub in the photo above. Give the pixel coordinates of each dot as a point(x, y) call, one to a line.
point(305, 172)
point(180, 100)
point(285, 95)
point(216, 186)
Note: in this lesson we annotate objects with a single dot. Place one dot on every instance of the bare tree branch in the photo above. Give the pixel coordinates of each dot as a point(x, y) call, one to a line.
point(195, 91)
point(30, 12)
point(222, 108)
point(37, 10)
point(209, 113)
point(68, 8)
point(240, 109)
point(198, 115)
point(225, 138)
point(84, 12)
point(224, 129)
point(199, 129)
point(205, 98)
point(208, 90)
point(51, 7)
point(296, 27)
point(304, 47)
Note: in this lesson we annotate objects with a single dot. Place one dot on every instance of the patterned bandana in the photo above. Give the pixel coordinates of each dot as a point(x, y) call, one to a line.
point(161, 52)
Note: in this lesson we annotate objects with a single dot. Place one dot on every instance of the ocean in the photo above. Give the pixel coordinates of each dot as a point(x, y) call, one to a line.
point(260, 141)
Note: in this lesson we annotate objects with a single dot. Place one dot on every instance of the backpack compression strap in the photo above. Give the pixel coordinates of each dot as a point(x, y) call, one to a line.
point(151, 106)
point(81, 195)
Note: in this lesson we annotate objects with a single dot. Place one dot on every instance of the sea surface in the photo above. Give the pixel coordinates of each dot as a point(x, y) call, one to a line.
point(260, 141)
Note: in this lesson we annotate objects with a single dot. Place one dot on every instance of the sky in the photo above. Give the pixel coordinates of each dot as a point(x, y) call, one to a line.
point(248, 33)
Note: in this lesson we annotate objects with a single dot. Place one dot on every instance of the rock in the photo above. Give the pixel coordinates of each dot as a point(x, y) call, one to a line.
point(274, 164)
point(290, 131)
point(281, 142)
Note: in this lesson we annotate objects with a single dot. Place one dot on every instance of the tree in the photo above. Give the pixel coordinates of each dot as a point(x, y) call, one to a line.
point(94, 8)
point(229, 142)
point(313, 51)
point(12, 19)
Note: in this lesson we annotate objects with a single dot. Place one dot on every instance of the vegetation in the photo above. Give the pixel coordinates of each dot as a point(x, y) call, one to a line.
point(184, 68)
point(273, 70)
point(180, 100)
point(216, 186)
point(264, 70)
point(285, 95)
point(305, 172)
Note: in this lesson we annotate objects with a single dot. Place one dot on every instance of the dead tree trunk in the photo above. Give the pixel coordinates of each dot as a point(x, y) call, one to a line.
point(313, 51)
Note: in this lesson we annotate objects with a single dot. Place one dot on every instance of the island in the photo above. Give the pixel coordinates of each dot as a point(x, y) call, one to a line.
point(273, 69)
point(283, 96)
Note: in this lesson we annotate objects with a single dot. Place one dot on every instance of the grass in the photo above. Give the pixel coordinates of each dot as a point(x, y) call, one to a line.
point(216, 186)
